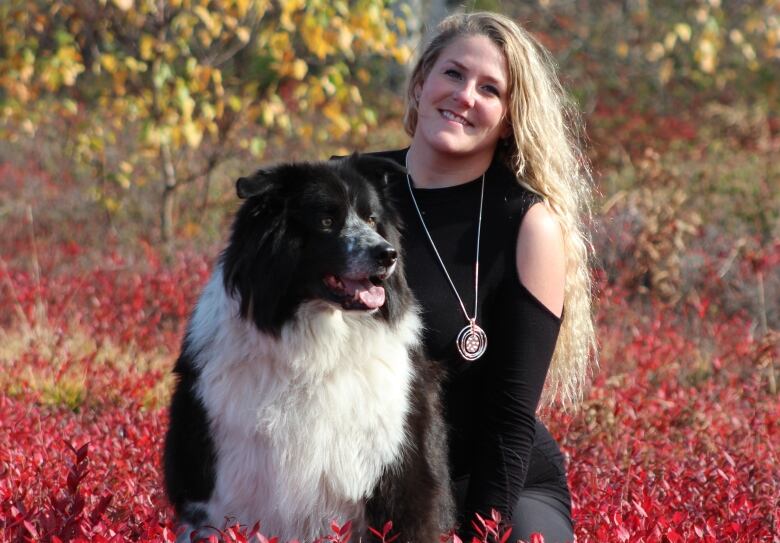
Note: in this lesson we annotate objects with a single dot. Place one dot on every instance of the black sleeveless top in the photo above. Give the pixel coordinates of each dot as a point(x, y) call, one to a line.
point(490, 403)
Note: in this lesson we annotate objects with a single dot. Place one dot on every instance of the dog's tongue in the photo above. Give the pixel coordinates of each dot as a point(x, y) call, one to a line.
point(369, 294)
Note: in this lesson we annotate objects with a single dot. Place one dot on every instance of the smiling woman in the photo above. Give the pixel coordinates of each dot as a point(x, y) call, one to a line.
point(492, 203)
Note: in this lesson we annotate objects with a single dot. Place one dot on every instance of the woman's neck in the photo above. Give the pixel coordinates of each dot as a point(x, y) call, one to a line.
point(438, 170)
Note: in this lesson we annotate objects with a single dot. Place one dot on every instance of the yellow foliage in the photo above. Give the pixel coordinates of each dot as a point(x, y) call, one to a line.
point(299, 69)
point(670, 40)
point(146, 46)
point(243, 34)
point(706, 56)
point(666, 70)
point(108, 62)
point(683, 31)
point(124, 5)
point(656, 52)
point(313, 36)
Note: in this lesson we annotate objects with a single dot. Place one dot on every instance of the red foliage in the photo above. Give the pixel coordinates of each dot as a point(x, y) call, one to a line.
point(678, 441)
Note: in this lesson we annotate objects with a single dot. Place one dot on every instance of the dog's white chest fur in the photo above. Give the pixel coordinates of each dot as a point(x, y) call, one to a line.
point(303, 424)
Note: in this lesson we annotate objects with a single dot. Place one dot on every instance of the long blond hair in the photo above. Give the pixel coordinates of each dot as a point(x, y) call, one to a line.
point(544, 153)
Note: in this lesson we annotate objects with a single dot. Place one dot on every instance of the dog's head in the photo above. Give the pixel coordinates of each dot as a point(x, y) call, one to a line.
point(315, 231)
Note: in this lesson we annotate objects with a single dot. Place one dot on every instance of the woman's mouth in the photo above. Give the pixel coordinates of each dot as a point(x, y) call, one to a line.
point(454, 117)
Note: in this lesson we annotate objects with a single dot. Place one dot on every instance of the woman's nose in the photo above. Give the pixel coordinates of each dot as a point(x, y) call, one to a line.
point(464, 94)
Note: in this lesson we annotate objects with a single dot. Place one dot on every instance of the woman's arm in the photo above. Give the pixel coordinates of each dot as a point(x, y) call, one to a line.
point(541, 262)
point(527, 320)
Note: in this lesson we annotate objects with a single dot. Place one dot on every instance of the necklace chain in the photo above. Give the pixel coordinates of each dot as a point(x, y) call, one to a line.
point(472, 336)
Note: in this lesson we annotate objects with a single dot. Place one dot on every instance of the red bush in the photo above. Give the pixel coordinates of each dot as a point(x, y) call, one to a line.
point(678, 440)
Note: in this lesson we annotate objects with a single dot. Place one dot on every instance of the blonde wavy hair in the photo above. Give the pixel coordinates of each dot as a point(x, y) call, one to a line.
point(544, 152)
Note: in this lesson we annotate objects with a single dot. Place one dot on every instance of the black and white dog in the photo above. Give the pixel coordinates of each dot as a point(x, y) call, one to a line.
point(302, 395)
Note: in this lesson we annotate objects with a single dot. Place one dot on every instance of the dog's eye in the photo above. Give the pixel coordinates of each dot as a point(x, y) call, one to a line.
point(371, 221)
point(326, 222)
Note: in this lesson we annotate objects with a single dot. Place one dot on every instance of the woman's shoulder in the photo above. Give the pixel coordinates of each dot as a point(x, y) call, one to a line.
point(514, 198)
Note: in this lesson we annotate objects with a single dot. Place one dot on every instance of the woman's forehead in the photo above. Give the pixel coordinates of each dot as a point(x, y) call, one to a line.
point(477, 53)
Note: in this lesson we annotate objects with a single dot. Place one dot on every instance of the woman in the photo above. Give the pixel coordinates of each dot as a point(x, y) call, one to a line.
point(492, 208)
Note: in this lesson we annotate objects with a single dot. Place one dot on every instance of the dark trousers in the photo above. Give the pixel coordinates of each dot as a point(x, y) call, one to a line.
point(538, 509)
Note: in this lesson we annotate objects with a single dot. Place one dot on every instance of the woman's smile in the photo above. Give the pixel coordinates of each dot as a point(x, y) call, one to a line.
point(454, 117)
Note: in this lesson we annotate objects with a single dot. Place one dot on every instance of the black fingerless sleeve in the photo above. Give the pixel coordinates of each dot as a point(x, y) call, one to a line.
point(523, 340)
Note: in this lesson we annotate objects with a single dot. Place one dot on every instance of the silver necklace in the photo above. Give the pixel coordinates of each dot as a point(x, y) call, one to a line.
point(472, 340)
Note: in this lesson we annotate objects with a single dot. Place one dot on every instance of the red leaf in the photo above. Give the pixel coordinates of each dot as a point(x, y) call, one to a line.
point(30, 528)
point(81, 454)
point(673, 536)
point(346, 528)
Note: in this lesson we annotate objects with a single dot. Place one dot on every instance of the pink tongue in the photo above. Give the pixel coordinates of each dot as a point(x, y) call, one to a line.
point(369, 294)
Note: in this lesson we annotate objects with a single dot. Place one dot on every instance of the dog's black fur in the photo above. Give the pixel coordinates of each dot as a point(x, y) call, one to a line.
point(292, 242)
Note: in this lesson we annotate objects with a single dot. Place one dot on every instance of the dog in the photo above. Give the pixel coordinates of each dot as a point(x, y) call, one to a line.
point(302, 395)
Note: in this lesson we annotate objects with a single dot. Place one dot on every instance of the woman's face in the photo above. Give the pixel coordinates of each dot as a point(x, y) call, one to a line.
point(462, 102)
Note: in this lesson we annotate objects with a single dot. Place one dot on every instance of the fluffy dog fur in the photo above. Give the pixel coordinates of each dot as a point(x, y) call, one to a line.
point(302, 396)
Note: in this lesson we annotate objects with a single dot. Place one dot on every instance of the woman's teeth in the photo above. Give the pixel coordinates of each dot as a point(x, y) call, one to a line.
point(452, 117)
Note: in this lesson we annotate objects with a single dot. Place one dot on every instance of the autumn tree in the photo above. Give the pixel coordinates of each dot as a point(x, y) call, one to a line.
point(160, 92)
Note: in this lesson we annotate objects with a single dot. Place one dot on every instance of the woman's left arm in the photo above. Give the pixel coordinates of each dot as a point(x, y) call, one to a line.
point(540, 258)
point(526, 319)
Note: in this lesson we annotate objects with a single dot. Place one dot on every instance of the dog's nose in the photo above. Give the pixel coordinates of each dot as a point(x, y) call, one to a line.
point(387, 256)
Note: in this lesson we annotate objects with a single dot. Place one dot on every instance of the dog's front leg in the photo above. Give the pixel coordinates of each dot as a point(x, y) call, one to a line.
point(417, 494)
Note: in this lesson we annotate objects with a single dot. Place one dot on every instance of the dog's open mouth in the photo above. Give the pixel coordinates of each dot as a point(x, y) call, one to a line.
point(366, 293)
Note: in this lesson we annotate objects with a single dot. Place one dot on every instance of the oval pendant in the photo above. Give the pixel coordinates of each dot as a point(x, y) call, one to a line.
point(471, 342)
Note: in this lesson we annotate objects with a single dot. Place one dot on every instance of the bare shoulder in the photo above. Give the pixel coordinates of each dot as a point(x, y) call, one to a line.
point(540, 257)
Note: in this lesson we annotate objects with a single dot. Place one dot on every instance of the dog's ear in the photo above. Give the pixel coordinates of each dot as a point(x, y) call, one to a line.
point(257, 184)
point(374, 167)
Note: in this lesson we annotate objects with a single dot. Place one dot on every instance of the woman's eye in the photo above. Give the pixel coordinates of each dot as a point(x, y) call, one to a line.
point(326, 222)
point(492, 90)
point(455, 74)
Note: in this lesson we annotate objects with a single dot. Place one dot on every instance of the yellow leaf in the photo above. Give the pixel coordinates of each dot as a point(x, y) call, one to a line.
point(622, 49)
point(314, 37)
point(242, 6)
point(146, 46)
point(267, 115)
point(683, 31)
point(299, 69)
point(345, 39)
point(706, 55)
point(235, 103)
point(656, 52)
point(243, 34)
point(670, 40)
point(111, 204)
point(205, 37)
point(402, 54)
point(124, 5)
point(205, 17)
point(666, 70)
point(354, 95)
point(122, 180)
point(192, 133)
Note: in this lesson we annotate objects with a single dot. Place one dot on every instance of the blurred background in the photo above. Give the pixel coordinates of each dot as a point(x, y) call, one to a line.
point(124, 123)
